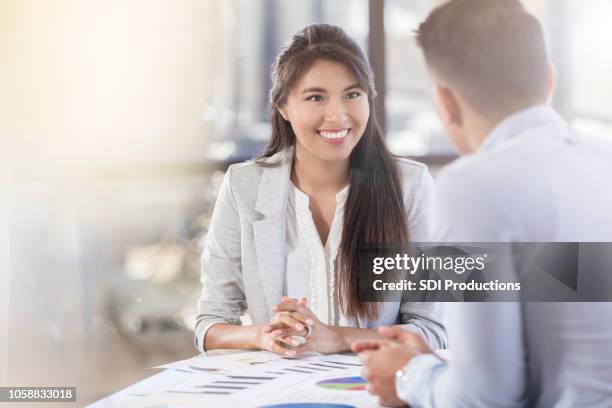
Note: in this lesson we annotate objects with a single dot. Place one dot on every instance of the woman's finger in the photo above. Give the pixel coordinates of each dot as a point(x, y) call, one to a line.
point(281, 345)
point(293, 341)
point(288, 331)
point(299, 350)
point(289, 321)
point(304, 319)
point(275, 319)
point(293, 307)
point(276, 326)
point(276, 347)
point(285, 331)
point(285, 340)
point(287, 302)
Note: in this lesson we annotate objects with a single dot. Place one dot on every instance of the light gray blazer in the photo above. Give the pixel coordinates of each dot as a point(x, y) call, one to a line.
point(243, 263)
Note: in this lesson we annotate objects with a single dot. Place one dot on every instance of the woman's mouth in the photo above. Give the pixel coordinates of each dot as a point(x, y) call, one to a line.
point(334, 136)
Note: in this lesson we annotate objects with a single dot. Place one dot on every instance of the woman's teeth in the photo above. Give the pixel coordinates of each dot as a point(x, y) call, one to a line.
point(333, 135)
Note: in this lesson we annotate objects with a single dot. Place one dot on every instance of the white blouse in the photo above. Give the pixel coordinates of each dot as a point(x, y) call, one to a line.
point(310, 266)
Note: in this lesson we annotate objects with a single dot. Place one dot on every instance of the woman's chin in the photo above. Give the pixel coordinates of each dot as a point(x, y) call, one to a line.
point(338, 156)
point(328, 152)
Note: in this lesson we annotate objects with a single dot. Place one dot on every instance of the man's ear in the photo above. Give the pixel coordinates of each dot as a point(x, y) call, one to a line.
point(448, 106)
point(551, 82)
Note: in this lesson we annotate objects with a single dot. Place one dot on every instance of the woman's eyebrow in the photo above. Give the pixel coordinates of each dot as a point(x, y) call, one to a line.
point(352, 87)
point(317, 89)
point(313, 89)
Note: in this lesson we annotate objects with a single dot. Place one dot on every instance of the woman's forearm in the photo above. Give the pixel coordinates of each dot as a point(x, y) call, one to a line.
point(349, 335)
point(230, 336)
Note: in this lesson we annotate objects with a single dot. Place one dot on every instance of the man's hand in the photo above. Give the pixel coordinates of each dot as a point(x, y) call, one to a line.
point(382, 359)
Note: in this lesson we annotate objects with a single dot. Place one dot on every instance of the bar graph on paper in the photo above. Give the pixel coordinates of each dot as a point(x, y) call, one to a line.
point(265, 380)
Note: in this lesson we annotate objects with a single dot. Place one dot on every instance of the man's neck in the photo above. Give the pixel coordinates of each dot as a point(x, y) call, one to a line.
point(482, 127)
point(479, 131)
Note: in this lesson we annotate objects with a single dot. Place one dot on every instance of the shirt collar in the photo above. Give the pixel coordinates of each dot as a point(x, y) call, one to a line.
point(303, 198)
point(341, 196)
point(512, 125)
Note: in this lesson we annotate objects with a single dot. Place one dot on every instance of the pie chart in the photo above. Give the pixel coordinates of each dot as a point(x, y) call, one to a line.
point(344, 384)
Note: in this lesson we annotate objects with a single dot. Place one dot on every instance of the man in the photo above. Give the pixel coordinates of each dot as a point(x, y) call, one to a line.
point(524, 177)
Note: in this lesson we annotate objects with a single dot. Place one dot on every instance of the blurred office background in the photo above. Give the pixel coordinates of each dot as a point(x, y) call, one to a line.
point(117, 121)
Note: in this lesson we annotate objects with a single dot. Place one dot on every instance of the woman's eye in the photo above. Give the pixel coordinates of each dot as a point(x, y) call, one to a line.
point(316, 98)
point(353, 95)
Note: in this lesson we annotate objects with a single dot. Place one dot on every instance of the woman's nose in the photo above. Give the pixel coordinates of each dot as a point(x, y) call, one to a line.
point(335, 111)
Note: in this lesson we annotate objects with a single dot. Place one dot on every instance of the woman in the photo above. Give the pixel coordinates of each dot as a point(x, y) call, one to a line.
point(290, 225)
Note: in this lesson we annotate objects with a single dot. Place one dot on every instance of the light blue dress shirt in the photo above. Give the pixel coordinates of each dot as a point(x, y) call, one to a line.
point(531, 180)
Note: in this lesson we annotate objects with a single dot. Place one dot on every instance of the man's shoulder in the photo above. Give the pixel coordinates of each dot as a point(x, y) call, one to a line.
point(472, 168)
point(510, 162)
point(489, 181)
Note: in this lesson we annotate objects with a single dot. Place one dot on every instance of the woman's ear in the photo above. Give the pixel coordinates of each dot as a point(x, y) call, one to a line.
point(448, 106)
point(283, 112)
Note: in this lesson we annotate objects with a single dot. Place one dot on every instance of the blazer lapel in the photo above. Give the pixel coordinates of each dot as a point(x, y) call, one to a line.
point(269, 232)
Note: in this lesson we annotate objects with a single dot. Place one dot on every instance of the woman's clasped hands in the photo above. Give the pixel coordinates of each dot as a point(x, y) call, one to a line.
point(294, 329)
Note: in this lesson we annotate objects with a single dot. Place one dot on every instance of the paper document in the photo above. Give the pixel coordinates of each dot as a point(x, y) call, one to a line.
point(260, 379)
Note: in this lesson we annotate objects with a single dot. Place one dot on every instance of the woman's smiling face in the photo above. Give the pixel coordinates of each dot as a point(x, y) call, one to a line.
point(328, 111)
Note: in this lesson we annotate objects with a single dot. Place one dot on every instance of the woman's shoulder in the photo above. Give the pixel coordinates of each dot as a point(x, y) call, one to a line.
point(254, 168)
point(244, 173)
point(412, 172)
point(417, 185)
point(245, 179)
point(244, 168)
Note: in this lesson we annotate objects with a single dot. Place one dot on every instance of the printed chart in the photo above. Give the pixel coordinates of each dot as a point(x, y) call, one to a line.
point(344, 383)
point(260, 380)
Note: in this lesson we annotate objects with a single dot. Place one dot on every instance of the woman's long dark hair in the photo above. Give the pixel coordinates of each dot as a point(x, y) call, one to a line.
point(374, 213)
